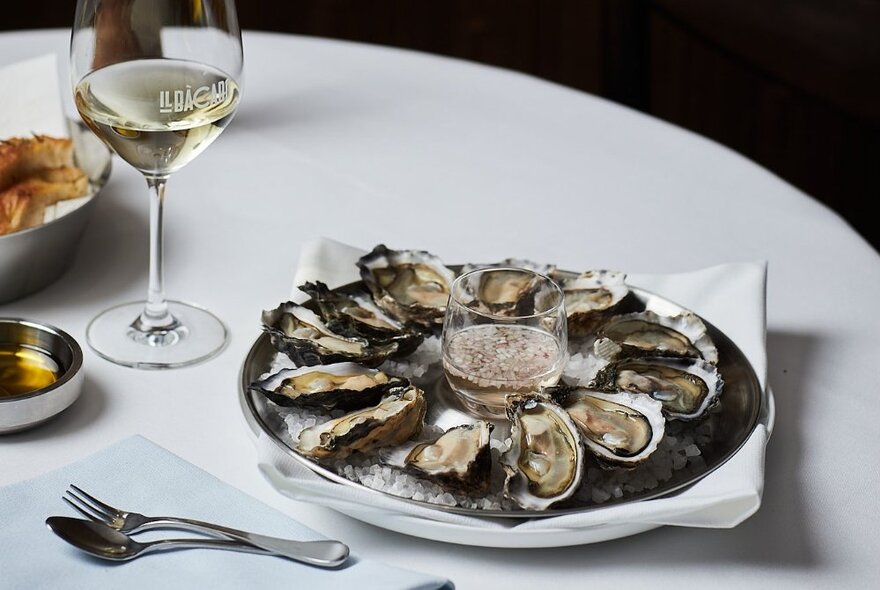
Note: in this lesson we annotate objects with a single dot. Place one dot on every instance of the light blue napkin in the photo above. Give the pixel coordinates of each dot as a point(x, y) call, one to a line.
point(136, 474)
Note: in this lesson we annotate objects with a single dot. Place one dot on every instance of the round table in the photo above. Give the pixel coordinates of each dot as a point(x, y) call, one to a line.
point(368, 144)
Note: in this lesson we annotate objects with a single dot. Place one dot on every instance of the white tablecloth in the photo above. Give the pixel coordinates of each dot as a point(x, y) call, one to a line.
point(369, 145)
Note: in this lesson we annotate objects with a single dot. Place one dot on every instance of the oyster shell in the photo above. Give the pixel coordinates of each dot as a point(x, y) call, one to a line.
point(591, 297)
point(460, 458)
point(506, 292)
point(544, 269)
point(545, 462)
point(347, 386)
point(622, 429)
point(649, 334)
point(398, 417)
point(686, 388)
point(357, 314)
point(303, 336)
point(411, 285)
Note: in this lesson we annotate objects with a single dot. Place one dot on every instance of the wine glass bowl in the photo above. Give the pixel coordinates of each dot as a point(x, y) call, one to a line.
point(498, 341)
point(157, 114)
point(157, 81)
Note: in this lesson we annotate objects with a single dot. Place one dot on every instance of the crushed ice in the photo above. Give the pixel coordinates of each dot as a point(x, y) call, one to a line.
point(679, 450)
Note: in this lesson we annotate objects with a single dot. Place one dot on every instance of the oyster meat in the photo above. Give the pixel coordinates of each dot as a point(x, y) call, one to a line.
point(622, 429)
point(356, 313)
point(685, 388)
point(507, 291)
point(398, 417)
point(459, 459)
point(545, 462)
point(591, 297)
point(347, 386)
point(544, 269)
point(649, 334)
point(303, 336)
point(411, 285)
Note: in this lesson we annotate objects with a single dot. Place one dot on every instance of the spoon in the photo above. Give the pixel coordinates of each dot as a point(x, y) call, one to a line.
point(100, 540)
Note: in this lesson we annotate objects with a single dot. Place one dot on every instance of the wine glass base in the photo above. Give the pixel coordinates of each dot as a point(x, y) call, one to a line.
point(197, 336)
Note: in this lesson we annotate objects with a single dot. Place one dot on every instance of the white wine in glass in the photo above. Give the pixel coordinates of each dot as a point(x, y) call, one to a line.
point(157, 81)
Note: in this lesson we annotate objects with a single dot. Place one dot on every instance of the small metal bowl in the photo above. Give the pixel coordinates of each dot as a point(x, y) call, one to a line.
point(34, 258)
point(23, 411)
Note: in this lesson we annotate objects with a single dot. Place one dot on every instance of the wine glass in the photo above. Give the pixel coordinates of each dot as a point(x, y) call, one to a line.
point(505, 332)
point(157, 81)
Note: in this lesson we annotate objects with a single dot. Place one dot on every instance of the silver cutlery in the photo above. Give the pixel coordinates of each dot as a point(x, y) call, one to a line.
point(318, 553)
point(100, 540)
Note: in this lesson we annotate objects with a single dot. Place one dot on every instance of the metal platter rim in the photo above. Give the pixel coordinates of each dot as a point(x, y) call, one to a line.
point(258, 425)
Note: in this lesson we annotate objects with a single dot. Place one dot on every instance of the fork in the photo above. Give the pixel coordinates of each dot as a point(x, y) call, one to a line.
point(318, 553)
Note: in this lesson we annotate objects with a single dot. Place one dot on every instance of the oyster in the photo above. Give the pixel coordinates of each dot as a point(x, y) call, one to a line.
point(544, 269)
point(347, 386)
point(545, 462)
point(507, 291)
point(591, 297)
point(649, 334)
point(398, 417)
point(459, 459)
point(302, 335)
point(411, 285)
point(686, 388)
point(357, 314)
point(622, 429)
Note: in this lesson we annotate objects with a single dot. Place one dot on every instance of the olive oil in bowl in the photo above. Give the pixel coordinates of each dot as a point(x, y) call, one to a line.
point(24, 370)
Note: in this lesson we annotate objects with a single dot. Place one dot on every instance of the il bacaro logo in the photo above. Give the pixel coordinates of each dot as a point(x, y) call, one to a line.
point(181, 101)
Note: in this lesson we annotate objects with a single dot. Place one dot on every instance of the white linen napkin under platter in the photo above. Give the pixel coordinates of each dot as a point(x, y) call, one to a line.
point(730, 296)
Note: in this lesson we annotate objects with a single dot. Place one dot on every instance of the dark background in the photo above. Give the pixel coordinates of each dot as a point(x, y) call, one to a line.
point(792, 84)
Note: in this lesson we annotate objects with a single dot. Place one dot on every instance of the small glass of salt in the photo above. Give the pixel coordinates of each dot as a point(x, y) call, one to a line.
point(505, 332)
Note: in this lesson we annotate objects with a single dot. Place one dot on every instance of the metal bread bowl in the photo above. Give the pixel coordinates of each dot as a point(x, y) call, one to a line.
point(34, 258)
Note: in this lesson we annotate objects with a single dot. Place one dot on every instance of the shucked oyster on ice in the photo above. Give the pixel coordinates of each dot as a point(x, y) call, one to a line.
point(351, 309)
point(302, 335)
point(357, 314)
point(508, 290)
point(545, 462)
point(459, 459)
point(347, 386)
point(398, 417)
point(544, 269)
point(649, 334)
point(411, 285)
point(622, 429)
point(591, 297)
point(687, 388)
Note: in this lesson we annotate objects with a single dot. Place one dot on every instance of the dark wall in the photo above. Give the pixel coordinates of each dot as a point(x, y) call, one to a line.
point(791, 84)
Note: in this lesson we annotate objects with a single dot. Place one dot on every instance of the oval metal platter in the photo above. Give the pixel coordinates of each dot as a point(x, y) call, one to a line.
point(741, 403)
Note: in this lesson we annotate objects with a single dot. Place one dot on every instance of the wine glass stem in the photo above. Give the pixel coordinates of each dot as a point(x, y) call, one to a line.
point(156, 315)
